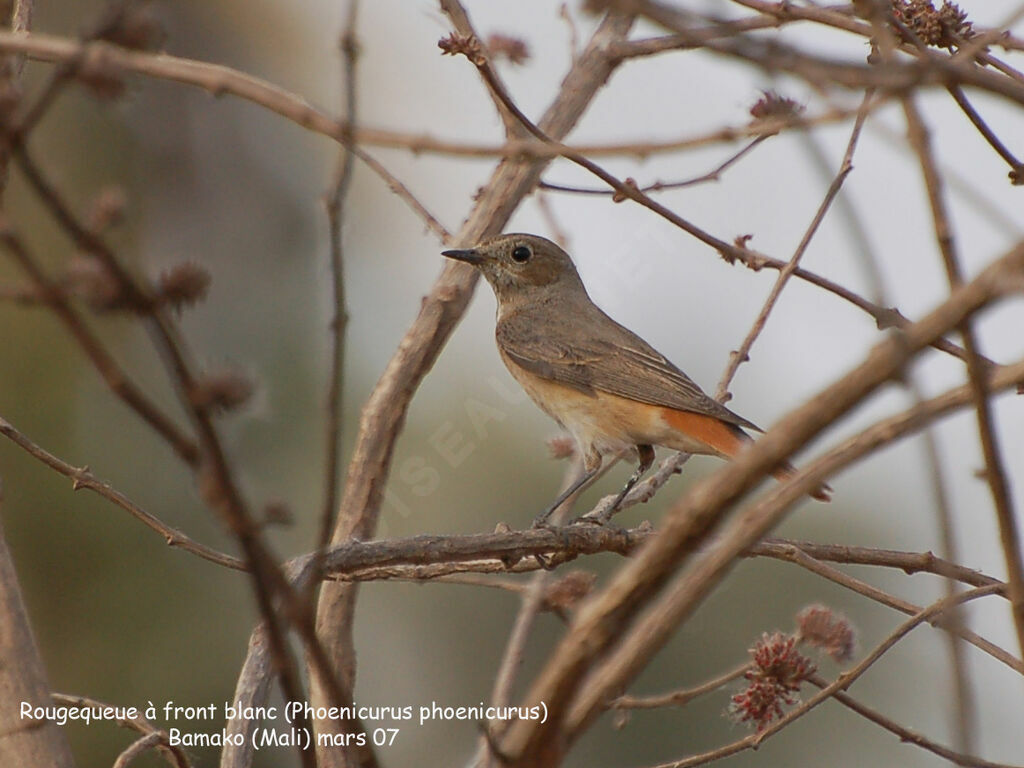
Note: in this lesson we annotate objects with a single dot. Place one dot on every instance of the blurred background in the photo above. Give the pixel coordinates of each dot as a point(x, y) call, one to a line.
point(125, 619)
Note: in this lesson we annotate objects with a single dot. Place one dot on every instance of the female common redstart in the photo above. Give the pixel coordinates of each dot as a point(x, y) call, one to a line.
point(610, 389)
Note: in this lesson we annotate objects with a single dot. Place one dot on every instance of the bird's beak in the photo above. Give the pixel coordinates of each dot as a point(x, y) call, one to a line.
point(468, 255)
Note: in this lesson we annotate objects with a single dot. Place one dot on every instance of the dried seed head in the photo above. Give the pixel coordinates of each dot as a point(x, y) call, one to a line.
point(772, 105)
point(773, 680)
point(944, 27)
point(514, 49)
point(183, 285)
point(827, 630)
point(222, 390)
point(565, 593)
point(776, 657)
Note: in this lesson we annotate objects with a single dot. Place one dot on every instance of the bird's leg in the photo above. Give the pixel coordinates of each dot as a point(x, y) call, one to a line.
point(646, 454)
point(591, 469)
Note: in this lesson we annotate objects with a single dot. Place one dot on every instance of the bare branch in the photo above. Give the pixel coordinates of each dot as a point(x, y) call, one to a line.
point(740, 355)
point(614, 615)
point(995, 472)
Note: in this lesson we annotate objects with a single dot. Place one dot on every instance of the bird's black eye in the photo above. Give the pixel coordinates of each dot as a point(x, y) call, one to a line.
point(521, 254)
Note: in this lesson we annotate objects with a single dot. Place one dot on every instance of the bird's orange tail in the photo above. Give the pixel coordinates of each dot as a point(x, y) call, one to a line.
point(727, 439)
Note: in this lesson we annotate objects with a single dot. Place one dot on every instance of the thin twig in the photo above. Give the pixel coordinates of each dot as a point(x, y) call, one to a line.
point(995, 472)
point(964, 705)
point(335, 208)
point(905, 735)
point(220, 487)
point(681, 697)
point(730, 252)
point(951, 624)
point(1016, 167)
point(395, 185)
point(715, 174)
point(81, 477)
point(737, 357)
point(219, 80)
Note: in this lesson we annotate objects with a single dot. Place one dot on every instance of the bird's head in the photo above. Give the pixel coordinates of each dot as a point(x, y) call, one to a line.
point(521, 266)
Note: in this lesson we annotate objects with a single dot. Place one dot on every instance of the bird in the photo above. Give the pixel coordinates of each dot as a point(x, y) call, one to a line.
point(606, 386)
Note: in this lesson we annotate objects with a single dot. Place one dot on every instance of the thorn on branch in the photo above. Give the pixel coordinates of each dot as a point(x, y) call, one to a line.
point(467, 45)
point(81, 478)
point(619, 195)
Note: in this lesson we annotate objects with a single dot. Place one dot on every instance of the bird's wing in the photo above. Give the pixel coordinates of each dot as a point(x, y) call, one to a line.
point(596, 353)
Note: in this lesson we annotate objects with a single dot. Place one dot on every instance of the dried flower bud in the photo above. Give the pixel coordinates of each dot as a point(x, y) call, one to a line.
point(223, 391)
point(507, 47)
point(183, 285)
point(565, 593)
point(823, 628)
point(772, 105)
point(467, 45)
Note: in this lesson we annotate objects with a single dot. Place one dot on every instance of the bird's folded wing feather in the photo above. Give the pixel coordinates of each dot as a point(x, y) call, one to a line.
point(607, 357)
